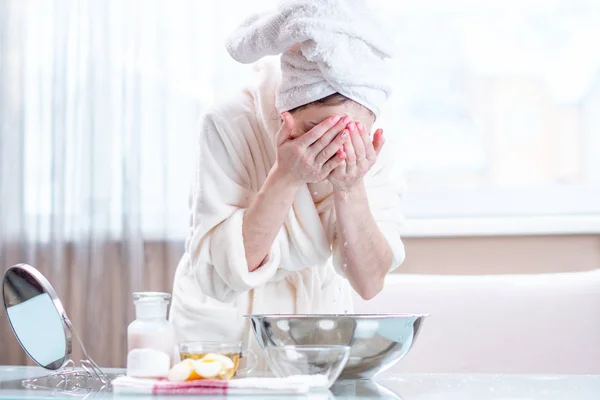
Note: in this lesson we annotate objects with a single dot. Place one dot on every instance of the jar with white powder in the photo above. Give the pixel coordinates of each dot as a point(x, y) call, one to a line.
point(151, 337)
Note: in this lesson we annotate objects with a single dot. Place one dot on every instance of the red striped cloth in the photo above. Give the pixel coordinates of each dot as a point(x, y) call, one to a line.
point(164, 387)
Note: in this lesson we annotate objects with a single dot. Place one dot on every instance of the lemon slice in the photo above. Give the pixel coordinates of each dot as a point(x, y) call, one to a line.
point(183, 371)
point(209, 369)
point(212, 357)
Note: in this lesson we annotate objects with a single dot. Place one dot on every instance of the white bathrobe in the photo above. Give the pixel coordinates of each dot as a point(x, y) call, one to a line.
point(213, 289)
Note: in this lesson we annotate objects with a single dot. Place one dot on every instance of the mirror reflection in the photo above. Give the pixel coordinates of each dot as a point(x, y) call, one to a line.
point(34, 317)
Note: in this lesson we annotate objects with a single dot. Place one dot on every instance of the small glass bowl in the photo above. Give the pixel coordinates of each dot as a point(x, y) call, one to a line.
point(233, 350)
point(329, 361)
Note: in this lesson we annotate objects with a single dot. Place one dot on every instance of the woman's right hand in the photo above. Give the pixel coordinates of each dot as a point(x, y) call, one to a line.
point(311, 157)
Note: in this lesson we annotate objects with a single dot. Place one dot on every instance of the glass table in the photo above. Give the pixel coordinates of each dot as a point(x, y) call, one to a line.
point(387, 386)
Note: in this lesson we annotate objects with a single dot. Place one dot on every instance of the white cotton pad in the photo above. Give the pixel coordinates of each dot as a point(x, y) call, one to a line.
point(148, 363)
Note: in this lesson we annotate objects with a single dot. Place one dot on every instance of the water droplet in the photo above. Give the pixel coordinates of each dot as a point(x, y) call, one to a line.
point(345, 244)
point(315, 193)
point(344, 266)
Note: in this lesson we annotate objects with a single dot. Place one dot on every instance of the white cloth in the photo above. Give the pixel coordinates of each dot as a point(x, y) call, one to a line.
point(213, 287)
point(328, 46)
point(297, 384)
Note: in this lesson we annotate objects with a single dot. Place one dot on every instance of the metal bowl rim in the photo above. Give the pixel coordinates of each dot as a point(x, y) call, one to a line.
point(325, 316)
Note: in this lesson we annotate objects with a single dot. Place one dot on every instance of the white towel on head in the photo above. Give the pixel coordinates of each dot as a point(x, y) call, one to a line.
point(327, 46)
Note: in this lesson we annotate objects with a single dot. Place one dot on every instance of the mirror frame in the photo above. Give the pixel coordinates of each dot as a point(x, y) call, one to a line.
point(45, 284)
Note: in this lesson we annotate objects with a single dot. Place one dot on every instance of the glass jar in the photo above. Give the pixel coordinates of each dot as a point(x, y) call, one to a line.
point(151, 337)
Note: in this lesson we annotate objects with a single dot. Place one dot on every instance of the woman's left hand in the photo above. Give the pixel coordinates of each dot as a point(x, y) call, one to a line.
point(360, 155)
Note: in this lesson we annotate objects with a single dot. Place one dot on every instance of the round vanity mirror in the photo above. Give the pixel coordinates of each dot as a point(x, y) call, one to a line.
point(37, 316)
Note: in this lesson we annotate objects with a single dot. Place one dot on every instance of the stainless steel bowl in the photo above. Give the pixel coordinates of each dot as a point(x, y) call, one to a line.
point(376, 342)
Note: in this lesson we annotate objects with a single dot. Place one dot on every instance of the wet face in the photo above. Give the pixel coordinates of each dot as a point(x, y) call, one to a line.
point(310, 116)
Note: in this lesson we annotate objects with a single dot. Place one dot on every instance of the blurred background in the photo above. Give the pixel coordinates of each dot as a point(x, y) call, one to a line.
point(495, 117)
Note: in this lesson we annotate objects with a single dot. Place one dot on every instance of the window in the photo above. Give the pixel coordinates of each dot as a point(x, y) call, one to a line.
point(497, 108)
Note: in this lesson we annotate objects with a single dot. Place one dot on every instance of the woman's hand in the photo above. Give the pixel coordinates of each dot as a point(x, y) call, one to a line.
point(312, 156)
point(359, 153)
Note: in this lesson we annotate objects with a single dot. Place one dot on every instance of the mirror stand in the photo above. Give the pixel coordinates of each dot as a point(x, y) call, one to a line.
point(87, 364)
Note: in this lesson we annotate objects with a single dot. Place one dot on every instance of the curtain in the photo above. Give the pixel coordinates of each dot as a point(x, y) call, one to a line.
point(98, 106)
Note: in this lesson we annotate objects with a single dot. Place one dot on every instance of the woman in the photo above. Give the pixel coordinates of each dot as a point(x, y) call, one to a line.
point(294, 204)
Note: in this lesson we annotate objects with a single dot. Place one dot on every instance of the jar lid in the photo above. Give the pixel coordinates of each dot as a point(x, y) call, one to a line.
point(151, 296)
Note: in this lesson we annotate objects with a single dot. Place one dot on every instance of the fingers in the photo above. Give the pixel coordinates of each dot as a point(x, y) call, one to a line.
point(329, 136)
point(350, 153)
point(333, 163)
point(370, 153)
point(332, 148)
point(378, 141)
point(357, 143)
point(315, 133)
point(285, 131)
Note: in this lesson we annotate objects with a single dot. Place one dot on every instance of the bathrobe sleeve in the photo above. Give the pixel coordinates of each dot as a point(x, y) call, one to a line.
point(220, 196)
point(385, 186)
